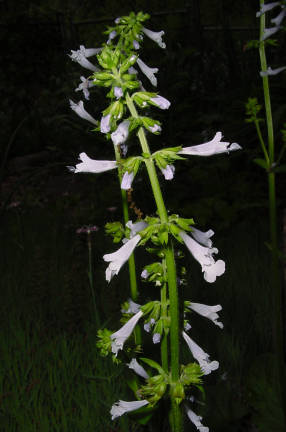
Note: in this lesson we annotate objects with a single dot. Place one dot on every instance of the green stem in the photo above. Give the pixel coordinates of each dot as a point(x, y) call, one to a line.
point(131, 261)
point(164, 343)
point(277, 318)
point(176, 422)
point(258, 130)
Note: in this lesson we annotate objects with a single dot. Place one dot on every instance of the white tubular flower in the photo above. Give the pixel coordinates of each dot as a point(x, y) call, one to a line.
point(121, 407)
point(155, 128)
point(105, 123)
point(118, 93)
point(155, 36)
point(187, 327)
point(111, 36)
point(161, 102)
point(168, 172)
point(127, 180)
point(84, 86)
point(80, 56)
point(144, 274)
point(121, 134)
point(149, 72)
point(202, 237)
point(278, 20)
point(209, 312)
point(271, 71)
point(89, 165)
point(132, 71)
point(136, 227)
point(118, 258)
point(203, 358)
point(269, 32)
point(133, 307)
point(78, 108)
point(156, 338)
point(138, 368)
point(204, 256)
point(266, 8)
point(118, 338)
point(136, 45)
point(215, 146)
point(196, 420)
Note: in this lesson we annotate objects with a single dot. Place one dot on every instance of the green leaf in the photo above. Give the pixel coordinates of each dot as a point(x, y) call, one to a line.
point(262, 163)
point(153, 365)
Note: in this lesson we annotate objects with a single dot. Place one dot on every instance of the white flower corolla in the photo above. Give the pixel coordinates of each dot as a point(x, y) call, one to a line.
point(149, 72)
point(204, 256)
point(215, 146)
point(209, 312)
point(80, 56)
point(155, 36)
point(84, 86)
point(89, 165)
point(138, 368)
point(118, 258)
point(121, 407)
point(136, 45)
point(120, 135)
point(117, 20)
point(156, 338)
point(105, 123)
point(203, 358)
point(266, 8)
point(132, 71)
point(168, 172)
point(78, 108)
point(271, 71)
point(202, 237)
point(196, 420)
point(133, 307)
point(187, 327)
point(127, 180)
point(124, 149)
point(111, 36)
point(118, 92)
point(118, 338)
point(161, 102)
point(136, 227)
point(155, 128)
point(144, 274)
point(279, 18)
point(269, 32)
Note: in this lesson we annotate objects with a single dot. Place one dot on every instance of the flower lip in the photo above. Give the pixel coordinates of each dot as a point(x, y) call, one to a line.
point(206, 365)
point(118, 338)
point(78, 108)
point(89, 165)
point(149, 72)
point(155, 36)
point(215, 146)
point(121, 407)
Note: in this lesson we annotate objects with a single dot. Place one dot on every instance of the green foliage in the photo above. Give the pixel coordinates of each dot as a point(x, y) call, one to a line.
point(115, 230)
point(252, 109)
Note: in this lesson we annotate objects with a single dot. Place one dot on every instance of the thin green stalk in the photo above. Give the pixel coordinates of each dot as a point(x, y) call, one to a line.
point(277, 318)
point(131, 261)
point(176, 420)
point(164, 342)
point(258, 130)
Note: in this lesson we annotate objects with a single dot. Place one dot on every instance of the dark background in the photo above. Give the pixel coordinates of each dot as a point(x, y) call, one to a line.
point(208, 74)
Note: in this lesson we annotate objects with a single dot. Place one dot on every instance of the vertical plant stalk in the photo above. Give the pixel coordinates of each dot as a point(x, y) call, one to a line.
point(164, 312)
point(277, 315)
point(131, 261)
point(176, 418)
point(90, 278)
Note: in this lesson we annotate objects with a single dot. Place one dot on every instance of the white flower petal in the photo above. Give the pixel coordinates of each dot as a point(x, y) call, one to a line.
point(269, 32)
point(203, 358)
point(120, 135)
point(149, 72)
point(121, 407)
point(127, 180)
point(196, 420)
point(79, 56)
point(105, 123)
point(133, 307)
point(155, 128)
point(136, 227)
point(118, 92)
point(161, 102)
point(138, 368)
point(271, 71)
point(202, 237)
point(204, 256)
point(155, 36)
point(111, 36)
point(279, 18)
point(156, 338)
point(89, 165)
point(78, 108)
point(118, 338)
point(266, 8)
point(209, 312)
point(84, 86)
point(118, 258)
point(144, 274)
point(136, 45)
point(168, 172)
point(215, 146)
